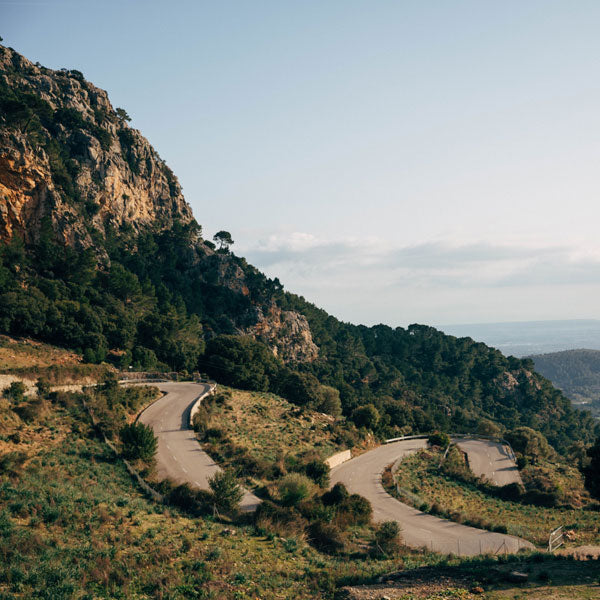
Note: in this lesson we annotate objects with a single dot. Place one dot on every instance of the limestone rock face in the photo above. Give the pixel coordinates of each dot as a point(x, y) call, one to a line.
point(25, 186)
point(287, 333)
point(79, 164)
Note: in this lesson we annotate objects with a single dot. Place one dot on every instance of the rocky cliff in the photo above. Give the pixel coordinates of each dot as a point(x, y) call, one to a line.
point(67, 154)
point(287, 333)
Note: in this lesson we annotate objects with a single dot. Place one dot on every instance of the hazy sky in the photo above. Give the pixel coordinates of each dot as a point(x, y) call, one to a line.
point(398, 162)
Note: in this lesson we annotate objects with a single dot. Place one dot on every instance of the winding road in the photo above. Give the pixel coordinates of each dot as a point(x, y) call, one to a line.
point(490, 460)
point(181, 459)
point(362, 475)
point(179, 456)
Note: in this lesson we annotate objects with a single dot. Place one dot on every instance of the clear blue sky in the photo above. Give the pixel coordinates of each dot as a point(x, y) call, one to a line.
point(391, 161)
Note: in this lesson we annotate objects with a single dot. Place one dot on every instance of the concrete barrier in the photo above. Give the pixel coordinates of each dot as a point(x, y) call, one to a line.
point(338, 459)
point(198, 401)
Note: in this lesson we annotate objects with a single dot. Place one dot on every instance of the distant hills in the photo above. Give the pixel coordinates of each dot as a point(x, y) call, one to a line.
point(576, 373)
point(532, 337)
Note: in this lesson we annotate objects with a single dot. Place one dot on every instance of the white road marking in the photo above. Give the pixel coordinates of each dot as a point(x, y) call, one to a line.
point(184, 469)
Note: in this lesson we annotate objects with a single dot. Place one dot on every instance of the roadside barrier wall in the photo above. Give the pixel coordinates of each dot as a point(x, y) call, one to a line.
point(339, 458)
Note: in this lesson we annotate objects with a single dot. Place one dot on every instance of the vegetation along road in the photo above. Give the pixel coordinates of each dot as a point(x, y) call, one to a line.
point(179, 456)
point(362, 475)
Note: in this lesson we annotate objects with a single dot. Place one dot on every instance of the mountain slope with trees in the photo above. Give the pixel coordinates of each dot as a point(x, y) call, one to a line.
point(101, 255)
point(576, 373)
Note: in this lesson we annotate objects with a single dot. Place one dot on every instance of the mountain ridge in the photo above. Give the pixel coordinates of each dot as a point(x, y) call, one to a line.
point(131, 280)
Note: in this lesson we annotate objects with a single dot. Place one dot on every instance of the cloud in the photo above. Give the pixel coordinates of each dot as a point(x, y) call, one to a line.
point(346, 262)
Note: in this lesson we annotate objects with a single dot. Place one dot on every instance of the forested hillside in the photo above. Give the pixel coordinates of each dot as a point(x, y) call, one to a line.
point(100, 254)
point(576, 373)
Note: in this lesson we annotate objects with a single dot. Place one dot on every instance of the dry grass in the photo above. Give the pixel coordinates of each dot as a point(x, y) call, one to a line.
point(17, 354)
point(269, 426)
point(27, 360)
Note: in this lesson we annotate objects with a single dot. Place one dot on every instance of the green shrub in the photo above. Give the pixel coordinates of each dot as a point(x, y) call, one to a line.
point(43, 387)
point(387, 539)
point(511, 491)
point(226, 492)
point(185, 497)
point(357, 509)
point(139, 442)
point(318, 471)
point(330, 401)
point(270, 518)
point(293, 488)
point(15, 391)
point(326, 537)
point(366, 416)
point(439, 439)
point(530, 443)
point(315, 510)
point(214, 433)
point(337, 494)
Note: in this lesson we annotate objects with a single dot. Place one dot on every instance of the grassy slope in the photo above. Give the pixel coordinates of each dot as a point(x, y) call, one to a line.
point(23, 353)
point(420, 475)
point(269, 426)
point(28, 360)
point(74, 525)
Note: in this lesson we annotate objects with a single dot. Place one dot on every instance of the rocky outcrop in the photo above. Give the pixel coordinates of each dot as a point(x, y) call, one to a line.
point(287, 333)
point(67, 154)
point(25, 187)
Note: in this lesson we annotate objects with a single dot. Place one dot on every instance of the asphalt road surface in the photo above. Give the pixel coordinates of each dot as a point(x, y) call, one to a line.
point(491, 460)
point(179, 456)
point(362, 475)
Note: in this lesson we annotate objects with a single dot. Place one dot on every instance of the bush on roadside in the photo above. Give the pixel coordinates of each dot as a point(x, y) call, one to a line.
point(294, 488)
point(355, 510)
point(269, 518)
point(43, 387)
point(318, 471)
point(139, 442)
point(439, 439)
point(15, 391)
point(226, 492)
point(335, 495)
point(511, 491)
point(192, 501)
point(387, 540)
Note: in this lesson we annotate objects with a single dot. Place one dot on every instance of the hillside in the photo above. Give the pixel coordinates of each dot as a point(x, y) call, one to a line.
point(576, 373)
point(101, 255)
